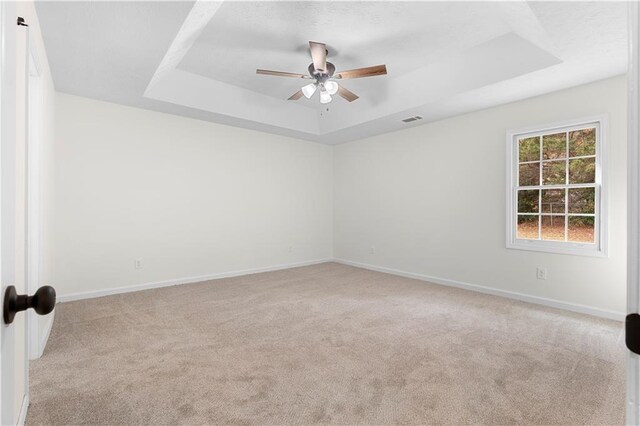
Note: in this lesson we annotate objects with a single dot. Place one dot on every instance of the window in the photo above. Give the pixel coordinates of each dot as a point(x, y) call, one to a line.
point(555, 188)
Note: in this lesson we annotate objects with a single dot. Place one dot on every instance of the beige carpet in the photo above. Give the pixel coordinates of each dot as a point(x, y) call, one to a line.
point(325, 344)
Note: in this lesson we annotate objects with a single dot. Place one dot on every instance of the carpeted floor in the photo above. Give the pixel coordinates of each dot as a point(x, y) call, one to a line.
point(325, 344)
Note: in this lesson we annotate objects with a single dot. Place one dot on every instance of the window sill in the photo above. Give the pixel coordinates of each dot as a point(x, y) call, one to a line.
point(565, 248)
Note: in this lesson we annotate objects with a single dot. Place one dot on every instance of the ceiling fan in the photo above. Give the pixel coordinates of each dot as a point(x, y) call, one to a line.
point(324, 74)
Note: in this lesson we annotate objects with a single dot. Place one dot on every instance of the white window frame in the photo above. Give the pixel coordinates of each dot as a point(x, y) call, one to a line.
point(600, 248)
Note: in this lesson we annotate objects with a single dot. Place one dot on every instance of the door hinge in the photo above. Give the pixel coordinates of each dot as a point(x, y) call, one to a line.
point(632, 333)
point(21, 22)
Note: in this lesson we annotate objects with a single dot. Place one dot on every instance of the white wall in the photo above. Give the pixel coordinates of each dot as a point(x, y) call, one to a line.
point(431, 199)
point(187, 197)
point(193, 199)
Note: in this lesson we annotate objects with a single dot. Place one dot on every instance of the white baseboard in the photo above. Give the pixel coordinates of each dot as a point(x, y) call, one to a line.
point(38, 342)
point(47, 331)
point(23, 410)
point(573, 307)
point(167, 283)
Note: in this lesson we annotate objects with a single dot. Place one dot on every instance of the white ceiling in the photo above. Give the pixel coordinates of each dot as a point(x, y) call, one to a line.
point(198, 59)
point(242, 36)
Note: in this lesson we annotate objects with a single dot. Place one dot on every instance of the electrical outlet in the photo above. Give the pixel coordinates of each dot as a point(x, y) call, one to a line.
point(541, 273)
point(137, 264)
point(372, 250)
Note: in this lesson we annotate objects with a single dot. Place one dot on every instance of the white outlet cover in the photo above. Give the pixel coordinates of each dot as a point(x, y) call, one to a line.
point(541, 273)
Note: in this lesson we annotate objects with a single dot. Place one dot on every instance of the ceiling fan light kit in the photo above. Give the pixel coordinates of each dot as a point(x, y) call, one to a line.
point(324, 74)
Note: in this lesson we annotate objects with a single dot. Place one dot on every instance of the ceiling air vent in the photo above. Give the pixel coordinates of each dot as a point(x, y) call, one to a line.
point(410, 119)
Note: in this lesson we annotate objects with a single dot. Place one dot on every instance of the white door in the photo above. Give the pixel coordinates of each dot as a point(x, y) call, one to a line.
point(633, 202)
point(13, 90)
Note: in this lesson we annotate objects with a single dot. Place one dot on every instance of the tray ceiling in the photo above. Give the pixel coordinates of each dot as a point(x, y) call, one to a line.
point(198, 59)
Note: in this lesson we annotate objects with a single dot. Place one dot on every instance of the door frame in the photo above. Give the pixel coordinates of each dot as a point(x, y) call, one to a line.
point(34, 189)
point(633, 210)
point(2, 89)
point(23, 36)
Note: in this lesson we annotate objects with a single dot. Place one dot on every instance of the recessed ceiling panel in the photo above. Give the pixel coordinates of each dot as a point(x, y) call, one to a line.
point(405, 36)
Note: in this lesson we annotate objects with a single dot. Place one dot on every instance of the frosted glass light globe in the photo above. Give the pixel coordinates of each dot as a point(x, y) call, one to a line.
point(331, 87)
point(309, 90)
point(325, 97)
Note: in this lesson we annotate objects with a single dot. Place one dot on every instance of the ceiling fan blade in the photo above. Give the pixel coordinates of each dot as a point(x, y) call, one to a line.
point(281, 74)
point(362, 72)
point(296, 96)
point(319, 55)
point(347, 94)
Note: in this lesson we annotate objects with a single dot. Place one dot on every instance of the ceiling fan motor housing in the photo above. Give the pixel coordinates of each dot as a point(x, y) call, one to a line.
point(321, 77)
